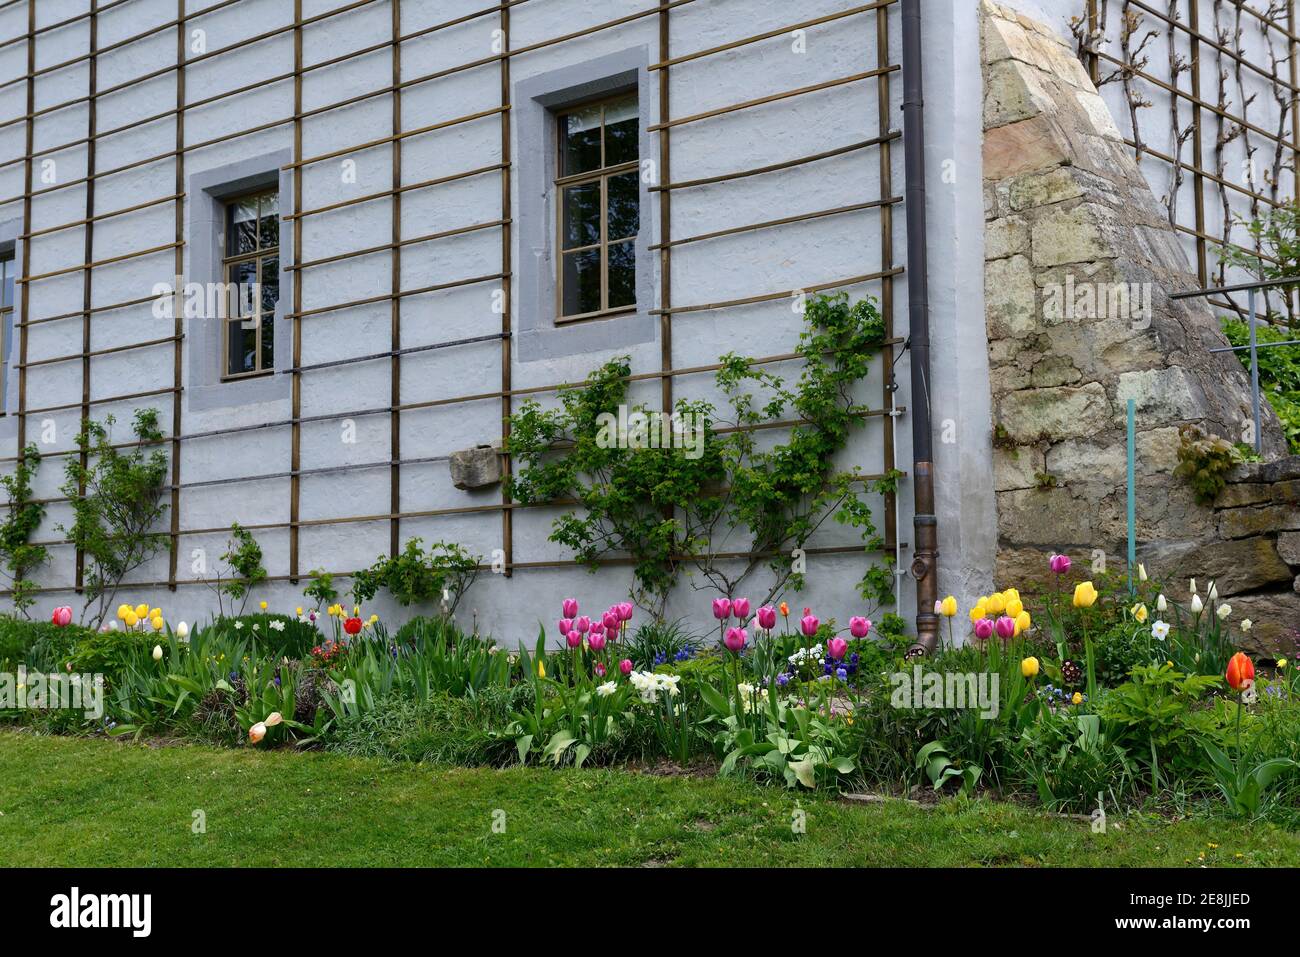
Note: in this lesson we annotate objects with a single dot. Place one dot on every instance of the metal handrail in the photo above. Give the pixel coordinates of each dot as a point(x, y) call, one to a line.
point(1250, 288)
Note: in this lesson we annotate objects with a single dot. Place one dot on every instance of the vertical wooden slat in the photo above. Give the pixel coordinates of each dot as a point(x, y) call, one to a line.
point(296, 376)
point(88, 250)
point(886, 190)
point(665, 219)
point(395, 329)
point(1294, 50)
point(507, 514)
point(23, 289)
point(178, 320)
point(1198, 180)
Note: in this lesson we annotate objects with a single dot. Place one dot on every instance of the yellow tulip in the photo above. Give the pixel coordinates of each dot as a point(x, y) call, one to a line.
point(131, 619)
point(262, 605)
point(1029, 667)
point(1077, 698)
point(1023, 621)
point(155, 612)
point(1014, 607)
point(976, 614)
point(121, 612)
point(948, 606)
point(541, 669)
point(1085, 595)
point(1011, 594)
point(997, 604)
point(1139, 612)
point(157, 624)
point(298, 611)
point(142, 611)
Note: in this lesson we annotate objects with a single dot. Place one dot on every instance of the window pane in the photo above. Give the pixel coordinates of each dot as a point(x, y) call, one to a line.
point(269, 224)
point(624, 206)
point(243, 276)
point(581, 215)
point(242, 348)
point(580, 132)
point(268, 340)
point(241, 234)
point(270, 283)
point(621, 131)
point(622, 275)
point(6, 283)
point(581, 282)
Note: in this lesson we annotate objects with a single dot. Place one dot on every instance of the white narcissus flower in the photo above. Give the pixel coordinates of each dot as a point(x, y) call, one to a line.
point(1161, 604)
point(607, 689)
point(1197, 604)
point(1160, 630)
point(1247, 624)
point(1223, 611)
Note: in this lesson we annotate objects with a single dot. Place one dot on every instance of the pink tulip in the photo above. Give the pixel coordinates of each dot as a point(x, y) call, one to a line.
point(735, 639)
point(984, 629)
point(809, 624)
point(837, 647)
point(62, 616)
point(600, 670)
point(596, 640)
point(625, 610)
point(566, 626)
point(859, 626)
point(597, 628)
point(722, 608)
point(1060, 564)
point(575, 638)
point(1006, 627)
point(570, 608)
point(610, 621)
point(767, 618)
point(625, 666)
point(740, 608)
point(583, 624)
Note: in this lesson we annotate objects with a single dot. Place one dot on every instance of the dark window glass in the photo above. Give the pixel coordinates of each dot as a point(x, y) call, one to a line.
point(252, 268)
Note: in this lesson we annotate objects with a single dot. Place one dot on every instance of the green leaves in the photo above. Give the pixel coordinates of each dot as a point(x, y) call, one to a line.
point(1244, 788)
point(415, 577)
point(22, 517)
point(940, 768)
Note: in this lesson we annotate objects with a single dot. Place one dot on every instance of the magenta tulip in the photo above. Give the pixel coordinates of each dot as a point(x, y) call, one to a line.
point(809, 625)
point(62, 616)
point(574, 638)
point(1060, 564)
point(600, 669)
point(625, 666)
point(1006, 627)
point(566, 626)
point(735, 639)
point(610, 621)
point(596, 640)
point(625, 609)
point(859, 626)
point(740, 608)
point(583, 624)
point(767, 618)
point(984, 629)
point(722, 608)
point(570, 607)
point(837, 648)
point(597, 628)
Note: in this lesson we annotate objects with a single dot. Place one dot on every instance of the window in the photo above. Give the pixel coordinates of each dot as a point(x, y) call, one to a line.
point(599, 208)
point(6, 320)
point(251, 269)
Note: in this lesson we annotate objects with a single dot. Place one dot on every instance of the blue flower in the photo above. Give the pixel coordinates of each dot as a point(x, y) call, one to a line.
point(841, 674)
point(782, 679)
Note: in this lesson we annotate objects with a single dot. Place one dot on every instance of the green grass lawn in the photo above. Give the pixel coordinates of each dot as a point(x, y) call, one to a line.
point(77, 802)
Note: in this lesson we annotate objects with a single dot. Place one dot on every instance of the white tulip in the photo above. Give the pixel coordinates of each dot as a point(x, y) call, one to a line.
point(1161, 604)
point(157, 652)
point(1214, 592)
point(1192, 587)
point(273, 719)
point(1197, 604)
point(257, 732)
point(1224, 611)
point(182, 631)
point(1142, 572)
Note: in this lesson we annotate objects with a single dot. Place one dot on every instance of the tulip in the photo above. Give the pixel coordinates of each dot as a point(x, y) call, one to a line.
point(722, 608)
point(131, 619)
point(570, 607)
point(273, 719)
point(157, 652)
point(740, 608)
point(1023, 621)
point(1014, 607)
point(735, 639)
point(583, 624)
point(352, 626)
point(1142, 572)
point(121, 612)
point(948, 607)
point(625, 666)
point(565, 625)
point(154, 613)
point(625, 609)
point(141, 611)
point(1197, 605)
point(1085, 595)
point(808, 624)
point(1240, 671)
point(1076, 698)
point(597, 628)
point(976, 614)
point(1161, 603)
point(257, 732)
point(1006, 627)
point(859, 626)
point(610, 621)
point(182, 631)
point(596, 640)
point(574, 638)
point(996, 604)
point(837, 648)
point(984, 629)
point(1214, 592)
point(767, 618)
point(600, 670)
point(62, 616)
point(1191, 586)
point(785, 610)
point(1060, 564)
point(262, 605)
point(1029, 667)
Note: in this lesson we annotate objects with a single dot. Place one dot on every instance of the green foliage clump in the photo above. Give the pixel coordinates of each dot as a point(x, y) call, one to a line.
point(40, 645)
point(414, 577)
point(1205, 461)
point(244, 557)
point(116, 501)
point(23, 516)
point(1279, 372)
point(321, 588)
point(657, 642)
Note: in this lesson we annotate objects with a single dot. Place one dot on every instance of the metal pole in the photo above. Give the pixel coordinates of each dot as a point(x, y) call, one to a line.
point(1254, 373)
point(1132, 490)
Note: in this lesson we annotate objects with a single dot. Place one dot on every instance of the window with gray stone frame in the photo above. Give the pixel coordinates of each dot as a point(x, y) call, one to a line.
point(569, 233)
point(237, 234)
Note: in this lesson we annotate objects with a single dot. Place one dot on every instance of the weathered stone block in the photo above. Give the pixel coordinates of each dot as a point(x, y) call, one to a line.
point(1085, 461)
point(1053, 370)
point(1238, 566)
point(1009, 297)
point(1016, 148)
point(1011, 93)
point(475, 468)
point(1288, 548)
point(1068, 236)
point(1013, 469)
point(1006, 237)
point(1161, 395)
point(1274, 617)
point(1044, 188)
point(1056, 413)
point(1043, 517)
point(1234, 496)
point(1257, 520)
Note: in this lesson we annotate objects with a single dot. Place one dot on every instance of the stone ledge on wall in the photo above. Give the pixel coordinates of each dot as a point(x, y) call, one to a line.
point(1080, 262)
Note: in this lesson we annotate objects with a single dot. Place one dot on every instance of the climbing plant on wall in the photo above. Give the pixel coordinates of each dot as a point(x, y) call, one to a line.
point(701, 493)
point(22, 517)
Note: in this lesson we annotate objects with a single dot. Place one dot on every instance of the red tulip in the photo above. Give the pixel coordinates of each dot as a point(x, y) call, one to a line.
point(610, 621)
point(583, 624)
point(62, 616)
point(625, 610)
point(767, 618)
point(1241, 671)
point(352, 626)
point(735, 639)
point(722, 608)
point(837, 648)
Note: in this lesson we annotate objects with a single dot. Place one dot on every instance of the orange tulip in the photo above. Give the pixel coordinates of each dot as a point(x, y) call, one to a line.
point(1240, 671)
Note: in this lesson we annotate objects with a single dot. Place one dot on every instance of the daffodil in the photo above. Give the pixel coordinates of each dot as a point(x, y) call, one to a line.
point(1247, 624)
point(1160, 630)
point(1223, 611)
point(1139, 612)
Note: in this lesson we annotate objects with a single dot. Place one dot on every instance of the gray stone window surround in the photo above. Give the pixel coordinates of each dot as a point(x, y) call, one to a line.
point(537, 101)
point(209, 191)
point(10, 230)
